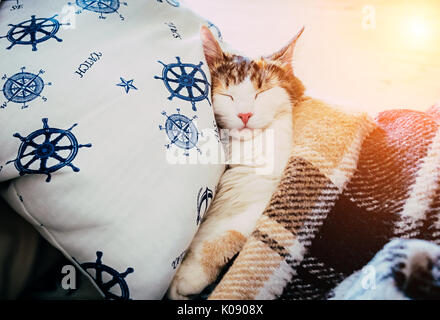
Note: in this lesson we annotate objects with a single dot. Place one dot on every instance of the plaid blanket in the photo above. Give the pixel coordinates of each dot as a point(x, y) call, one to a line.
point(351, 185)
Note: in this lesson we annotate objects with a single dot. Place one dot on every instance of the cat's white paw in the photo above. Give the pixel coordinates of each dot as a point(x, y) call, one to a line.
point(189, 281)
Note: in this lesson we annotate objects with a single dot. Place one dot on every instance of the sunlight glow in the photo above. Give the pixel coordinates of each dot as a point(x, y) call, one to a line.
point(419, 28)
point(418, 31)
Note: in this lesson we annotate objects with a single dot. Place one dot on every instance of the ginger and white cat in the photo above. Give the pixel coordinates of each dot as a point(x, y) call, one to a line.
point(249, 97)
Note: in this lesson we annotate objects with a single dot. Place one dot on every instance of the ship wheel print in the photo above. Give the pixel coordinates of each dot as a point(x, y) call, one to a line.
point(33, 31)
point(107, 278)
point(47, 150)
point(15, 6)
point(203, 200)
point(103, 7)
point(181, 131)
point(23, 87)
point(217, 30)
point(173, 3)
point(185, 81)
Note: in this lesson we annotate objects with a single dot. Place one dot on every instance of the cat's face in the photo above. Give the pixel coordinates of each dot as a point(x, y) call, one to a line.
point(250, 94)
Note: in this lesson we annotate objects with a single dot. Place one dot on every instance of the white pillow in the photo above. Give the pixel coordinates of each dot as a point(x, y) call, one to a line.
point(116, 197)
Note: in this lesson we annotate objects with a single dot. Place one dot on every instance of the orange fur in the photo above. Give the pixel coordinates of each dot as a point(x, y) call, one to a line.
point(264, 74)
point(267, 89)
point(217, 252)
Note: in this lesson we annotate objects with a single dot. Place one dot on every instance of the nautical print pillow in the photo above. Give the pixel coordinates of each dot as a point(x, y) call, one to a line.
point(107, 134)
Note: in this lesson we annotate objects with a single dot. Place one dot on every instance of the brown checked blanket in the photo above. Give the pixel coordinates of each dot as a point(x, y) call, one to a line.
point(351, 185)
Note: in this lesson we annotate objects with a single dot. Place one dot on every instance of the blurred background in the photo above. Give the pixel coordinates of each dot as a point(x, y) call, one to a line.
point(368, 55)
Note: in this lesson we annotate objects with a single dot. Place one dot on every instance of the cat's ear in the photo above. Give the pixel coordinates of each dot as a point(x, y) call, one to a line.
point(212, 49)
point(285, 55)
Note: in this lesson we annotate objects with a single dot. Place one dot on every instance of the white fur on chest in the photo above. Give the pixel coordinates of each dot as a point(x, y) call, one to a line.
point(263, 152)
point(246, 188)
point(256, 155)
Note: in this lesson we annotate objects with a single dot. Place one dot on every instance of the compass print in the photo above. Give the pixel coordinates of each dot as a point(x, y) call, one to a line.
point(23, 87)
point(181, 131)
point(216, 131)
point(33, 31)
point(204, 198)
point(108, 279)
point(47, 150)
point(102, 7)
point(185, 81)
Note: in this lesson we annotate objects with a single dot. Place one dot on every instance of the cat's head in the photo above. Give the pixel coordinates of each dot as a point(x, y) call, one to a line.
point(250, 94)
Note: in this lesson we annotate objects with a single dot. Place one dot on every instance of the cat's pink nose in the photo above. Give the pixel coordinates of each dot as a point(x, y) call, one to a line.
point(245, 117)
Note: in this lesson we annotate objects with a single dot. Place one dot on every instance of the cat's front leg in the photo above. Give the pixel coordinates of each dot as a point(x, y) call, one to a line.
point(203, 263)
point(219, 238)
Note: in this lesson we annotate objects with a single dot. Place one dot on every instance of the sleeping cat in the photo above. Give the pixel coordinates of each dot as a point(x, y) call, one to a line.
point(250, 97)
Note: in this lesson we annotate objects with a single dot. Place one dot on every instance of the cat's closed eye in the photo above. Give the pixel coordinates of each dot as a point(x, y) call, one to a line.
point(227, 95)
